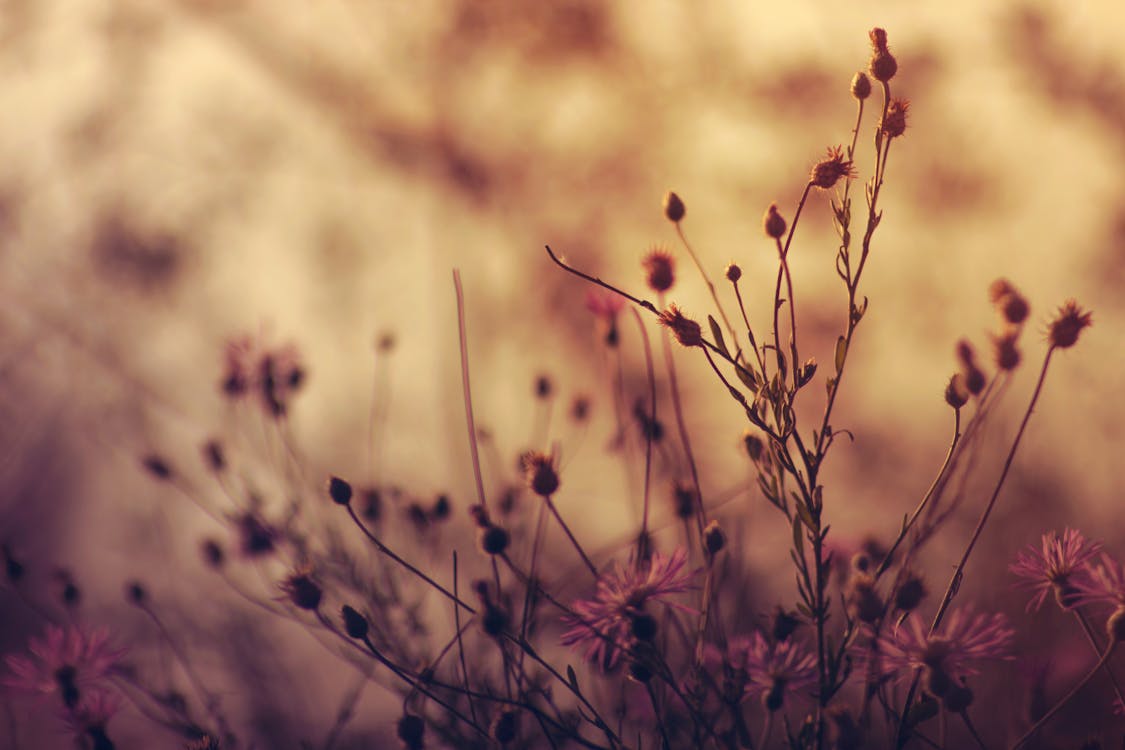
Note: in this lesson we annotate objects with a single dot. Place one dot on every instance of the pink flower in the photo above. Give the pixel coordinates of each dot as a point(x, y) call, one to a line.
point(950, 653)
point(615, 618)
point(93, 712)
point(605, 305)
point(772, 670)
point(68, 661)
point(1058, 567)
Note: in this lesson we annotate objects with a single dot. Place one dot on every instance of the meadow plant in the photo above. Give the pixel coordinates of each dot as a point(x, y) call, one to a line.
point(511, 641)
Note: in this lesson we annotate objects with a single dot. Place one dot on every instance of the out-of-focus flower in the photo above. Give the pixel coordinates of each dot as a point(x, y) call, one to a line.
point(950, 653)
point(271, 373)
point(773, 670)
point(67, 660)
point(1063, 560)
point(1103, 584)
point(615, 618)
point(93, 712)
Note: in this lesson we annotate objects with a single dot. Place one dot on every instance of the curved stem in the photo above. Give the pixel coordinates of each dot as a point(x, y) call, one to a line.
point(1066, 698)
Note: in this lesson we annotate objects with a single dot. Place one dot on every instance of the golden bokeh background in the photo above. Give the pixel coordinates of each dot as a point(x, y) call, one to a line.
point(177, 172)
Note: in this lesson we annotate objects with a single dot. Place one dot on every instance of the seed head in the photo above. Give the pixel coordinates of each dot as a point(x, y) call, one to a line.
point(911, 593)
point(894, 121)
point(339, 490)
point(674, 208)
point(1004, 349)
point(957, 392)
point(828, 171)
point(773, 223)
point(734, 273)
point(861, 86)
point(883, 64)
point(1009, 302)
point(539, 468)
point(494, 540)
point(302, 590)
point(355, 624)
point(686, 330)
point(660, 270)
point(1068, 323)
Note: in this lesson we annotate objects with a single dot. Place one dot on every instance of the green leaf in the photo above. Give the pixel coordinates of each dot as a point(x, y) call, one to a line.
point(717, 333)
point(841, 354)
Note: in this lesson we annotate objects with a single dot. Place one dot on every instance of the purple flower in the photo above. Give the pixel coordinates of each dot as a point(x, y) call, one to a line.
point(68, 661)
point(93, 712)
point(772, 670)
point(1063, 561)
point(615, 618)
point(949, 653)
point(1104, 583)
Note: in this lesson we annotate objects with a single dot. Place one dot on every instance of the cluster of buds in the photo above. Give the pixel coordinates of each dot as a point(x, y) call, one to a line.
point(491, 539)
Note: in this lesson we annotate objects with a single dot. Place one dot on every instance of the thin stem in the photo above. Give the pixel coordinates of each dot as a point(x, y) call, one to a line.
point(594, 280)
point(1066, 699)
point(681, 426)
point(706, 278)
point(468, 391)
point(1097, 650)
point(570, 535)
point(643, 539)
point(460, 644)
point(955, 581)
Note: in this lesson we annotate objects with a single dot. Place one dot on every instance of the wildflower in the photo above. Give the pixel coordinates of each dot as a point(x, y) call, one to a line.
point(1063, 560)
point(660, 270)
point(1008, 301)
point(883, 64)
point(67, 660)
point(686, 330)
point(605, 624)
point(910, 593)
point(950, 653)
point(1007, 356)
point(274, 373)
point(539, 469)
point(773, 223)
point(714, 539)
point(861, 86)
point(773, 670)
point(674, 208)
point(339, 490)
point(355, 624)
point(302, 590)
point(606, 306)
point(1068, 323)
point(733, 273)
point(894, 121)
point(493, 540)
point(957, 391)
point(828, 171)
point(864, 602)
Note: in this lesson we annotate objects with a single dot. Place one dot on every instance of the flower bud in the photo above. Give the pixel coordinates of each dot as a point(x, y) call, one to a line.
point(494, 540)
point(861, 86)
point(674, 208)
point(714, 539)
point(355, 624)
point(660, 270)
point(339, 490)
point(734, 273)
point(541, 476)
point(957, 391)
point(687, 331)
point(773, 223)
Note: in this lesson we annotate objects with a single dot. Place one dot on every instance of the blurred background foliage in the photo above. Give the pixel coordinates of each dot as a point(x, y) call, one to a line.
point(176, 172)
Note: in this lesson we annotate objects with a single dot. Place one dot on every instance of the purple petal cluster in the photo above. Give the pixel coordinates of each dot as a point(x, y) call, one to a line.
point(604, 624)
point(954, 650)
point(1060, 566)
point(70, 657)
point(773, 670)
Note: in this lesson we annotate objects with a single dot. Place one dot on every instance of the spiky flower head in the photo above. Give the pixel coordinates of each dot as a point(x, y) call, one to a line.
point(773, 670)
point(1068, 323)
point(893, 124)
point(883, 64)
point(539, 469)
point(1101, 583)
point(660, 270)
point(607, 624)
point(950, 653)
point(828, 171)
point(686, 330)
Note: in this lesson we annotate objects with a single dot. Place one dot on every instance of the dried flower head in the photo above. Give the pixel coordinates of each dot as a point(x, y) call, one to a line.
point(674, 208)
point(828, 171)
point(861, 86)
point(951, 653)
point(893, 124)
point(539, 469)
point(686, 330)
point(883, 64)
point(604, 624)
point(773, 223)
point(1009, 302)
point(660, 270)
point(734, 273)
point(1005, 352)
point(1068, 323)
point(355, 624)
point(957, 391)
point(302, 590)
point(910, 592)
point(1062, 562)
point(274, 373)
